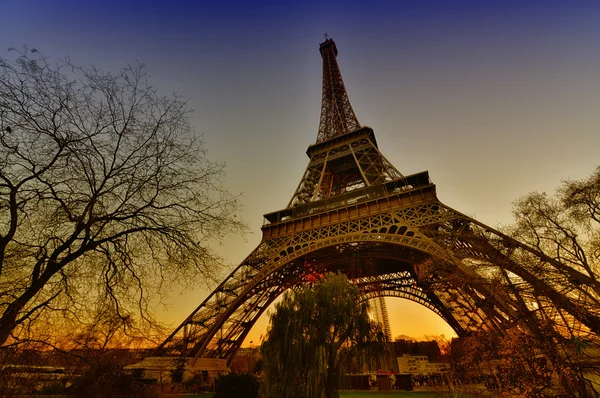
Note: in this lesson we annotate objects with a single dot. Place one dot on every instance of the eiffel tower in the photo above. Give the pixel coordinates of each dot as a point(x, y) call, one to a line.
point(354, 212)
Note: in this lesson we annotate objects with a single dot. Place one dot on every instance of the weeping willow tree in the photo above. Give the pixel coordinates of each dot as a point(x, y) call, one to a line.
point(310, 326)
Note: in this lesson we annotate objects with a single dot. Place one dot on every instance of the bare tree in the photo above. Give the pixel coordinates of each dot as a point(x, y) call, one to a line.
point(565, 227)
point(105, 193)
point(547, 343)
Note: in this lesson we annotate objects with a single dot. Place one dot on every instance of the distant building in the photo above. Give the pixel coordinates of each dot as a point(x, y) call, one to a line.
point(160, 369)
point(429, 350)
point(25, 379)
point(419, 365)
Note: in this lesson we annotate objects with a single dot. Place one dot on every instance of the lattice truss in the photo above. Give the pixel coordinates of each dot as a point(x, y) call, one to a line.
point(351, 162)
point(337, 115)
point(469, 274)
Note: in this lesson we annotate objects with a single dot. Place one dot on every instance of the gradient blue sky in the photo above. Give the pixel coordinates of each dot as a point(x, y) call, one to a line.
point(494, 98)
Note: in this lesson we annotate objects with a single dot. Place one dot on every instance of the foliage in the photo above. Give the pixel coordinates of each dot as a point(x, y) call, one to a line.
point(198, 381)
point(516, 361)
point(245, 361)
point(177, 372)
point(309, 327)
point(58, 388)
point(506, 362)
point(366, 355)
point(258, 365)
point(106, 196)
point(441, 340)
point(103, 378)
point(234, 385)
point(565, 228)
point(552, 297)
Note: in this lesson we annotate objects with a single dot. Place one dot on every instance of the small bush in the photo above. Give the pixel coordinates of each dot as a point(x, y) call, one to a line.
point(198, 382)
point(104, 378)
point(57, 388)
point(236, 386)
point(177, 373)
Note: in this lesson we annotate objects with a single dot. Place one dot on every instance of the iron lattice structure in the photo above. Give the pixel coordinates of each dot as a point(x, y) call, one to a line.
point(356, 213)
point(337, 115)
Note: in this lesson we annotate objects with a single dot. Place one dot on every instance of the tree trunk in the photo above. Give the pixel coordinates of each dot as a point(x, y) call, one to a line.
point(331, 381)
point(8, 321)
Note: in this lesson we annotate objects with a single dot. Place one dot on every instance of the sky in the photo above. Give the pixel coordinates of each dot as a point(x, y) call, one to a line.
point(495, 99)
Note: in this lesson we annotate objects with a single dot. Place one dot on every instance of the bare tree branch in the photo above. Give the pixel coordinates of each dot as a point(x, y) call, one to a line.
point(103, 188)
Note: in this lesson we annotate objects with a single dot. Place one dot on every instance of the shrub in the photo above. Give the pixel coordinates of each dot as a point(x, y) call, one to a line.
point(235, 385)
point(104, 378)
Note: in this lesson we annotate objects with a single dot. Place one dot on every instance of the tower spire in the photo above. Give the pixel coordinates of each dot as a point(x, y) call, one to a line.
point(337, 115)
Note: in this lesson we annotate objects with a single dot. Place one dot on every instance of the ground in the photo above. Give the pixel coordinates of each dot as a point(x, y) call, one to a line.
point(369, 394)
point(343, 394)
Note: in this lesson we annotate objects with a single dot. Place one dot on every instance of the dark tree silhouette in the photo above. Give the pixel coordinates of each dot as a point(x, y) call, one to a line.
point(106, 195)
point(566, 228)
point(309, 327)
